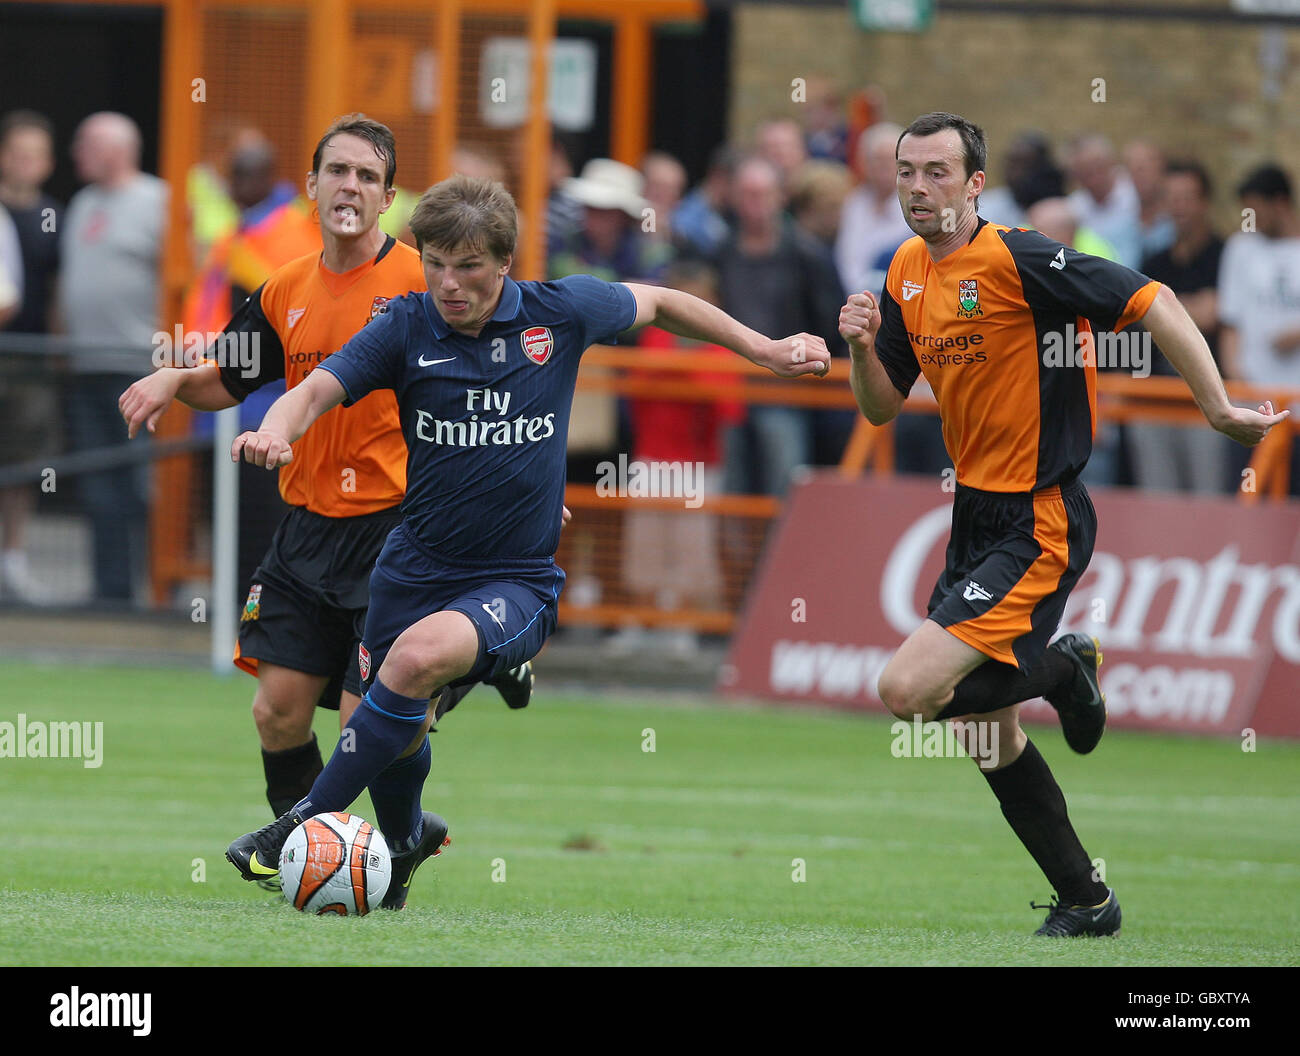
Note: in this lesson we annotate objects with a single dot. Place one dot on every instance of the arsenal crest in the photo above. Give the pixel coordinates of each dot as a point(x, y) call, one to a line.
point(968, 299)
point(363, 660)
point(538, 344)
point(378, 307)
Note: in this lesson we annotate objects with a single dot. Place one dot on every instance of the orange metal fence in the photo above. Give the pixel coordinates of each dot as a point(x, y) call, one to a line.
point(611, 585)
point(291, 67)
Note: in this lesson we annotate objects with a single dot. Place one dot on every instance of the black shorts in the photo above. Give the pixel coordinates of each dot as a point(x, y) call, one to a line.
point(306, 607)
point(1011, 564)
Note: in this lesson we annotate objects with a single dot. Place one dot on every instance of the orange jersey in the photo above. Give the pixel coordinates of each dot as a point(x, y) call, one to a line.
point(352, 461)
point(1000, 329)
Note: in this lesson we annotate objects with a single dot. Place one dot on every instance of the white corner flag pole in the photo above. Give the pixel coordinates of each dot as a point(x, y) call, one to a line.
point(224, 610)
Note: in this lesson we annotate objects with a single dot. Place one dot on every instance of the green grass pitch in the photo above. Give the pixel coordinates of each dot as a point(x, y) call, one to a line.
point(573, 845)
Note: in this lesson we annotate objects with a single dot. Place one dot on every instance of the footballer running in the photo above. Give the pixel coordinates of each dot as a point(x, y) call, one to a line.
point(300, 629)
point(1019, 432)
point(484, 369)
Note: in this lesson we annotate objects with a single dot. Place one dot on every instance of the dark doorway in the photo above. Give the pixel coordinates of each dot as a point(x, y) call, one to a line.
point(67, 61)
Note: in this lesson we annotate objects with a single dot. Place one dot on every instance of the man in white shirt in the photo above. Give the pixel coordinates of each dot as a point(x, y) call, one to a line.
point(871, 221)
point(108, 306)
point(1259, 289)
point(1106, 200)
point(11, 270)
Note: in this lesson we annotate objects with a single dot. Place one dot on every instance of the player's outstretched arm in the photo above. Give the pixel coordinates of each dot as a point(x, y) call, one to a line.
point(289, 417)
point(688, 316)
point(878, 398)
point(1184, 346)
point(199, 387)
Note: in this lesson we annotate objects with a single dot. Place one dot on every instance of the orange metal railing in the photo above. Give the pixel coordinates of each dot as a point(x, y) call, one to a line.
point(598, 549)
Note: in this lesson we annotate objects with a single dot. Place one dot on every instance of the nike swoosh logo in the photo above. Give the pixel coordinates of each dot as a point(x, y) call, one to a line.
point(494, 616)
point(434, 362)
point(254, 866)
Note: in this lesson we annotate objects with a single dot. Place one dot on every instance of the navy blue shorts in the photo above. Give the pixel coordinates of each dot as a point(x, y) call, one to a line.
point(512, 604)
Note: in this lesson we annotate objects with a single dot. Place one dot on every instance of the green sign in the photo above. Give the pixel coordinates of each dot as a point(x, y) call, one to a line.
point(909, 16)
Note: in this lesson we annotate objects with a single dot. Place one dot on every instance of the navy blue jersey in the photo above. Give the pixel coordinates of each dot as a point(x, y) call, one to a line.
point(485, 418)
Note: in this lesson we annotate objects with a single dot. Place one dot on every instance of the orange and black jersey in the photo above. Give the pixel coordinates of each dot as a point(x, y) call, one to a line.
point(996, 328)
point(352, 461)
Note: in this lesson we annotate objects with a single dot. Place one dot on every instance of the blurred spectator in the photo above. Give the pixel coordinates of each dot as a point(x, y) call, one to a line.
point(817, 194)
point(210, 211)
point(1106, 201)
point(671, 559)
point(700, 222)
point(275, 226)
point(1259, 290)
point(780, 141)
point(871, 222)
point(396, 219)
point(563, 214)
point(475, 159)
point(11, 270)
point(1175, 457)
point(610, 243)
point(665, 183)
point(1057, 219)
point(825, 126)
point(1145, 163)
point(108, 305)
point(28, 408)
point(1031, 175)
point(778, 281)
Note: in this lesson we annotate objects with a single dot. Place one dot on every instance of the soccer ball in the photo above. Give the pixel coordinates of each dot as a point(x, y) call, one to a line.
point(335, 863)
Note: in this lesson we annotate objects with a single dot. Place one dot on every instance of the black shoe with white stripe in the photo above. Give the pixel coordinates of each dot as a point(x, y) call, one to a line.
point(515, 685)
point(1067, 922)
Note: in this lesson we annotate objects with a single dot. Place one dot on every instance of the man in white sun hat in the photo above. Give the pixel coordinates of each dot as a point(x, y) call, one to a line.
point(611, 242)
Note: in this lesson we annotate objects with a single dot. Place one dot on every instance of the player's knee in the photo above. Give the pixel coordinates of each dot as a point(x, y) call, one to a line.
point(905, 695)
point(416, 666)
point(278, 718)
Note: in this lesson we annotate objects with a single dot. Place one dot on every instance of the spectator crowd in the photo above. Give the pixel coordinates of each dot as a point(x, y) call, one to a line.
point(777, 230)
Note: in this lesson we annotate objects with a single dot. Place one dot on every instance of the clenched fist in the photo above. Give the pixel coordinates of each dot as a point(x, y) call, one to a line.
point(791, 357)
point(270, 450)
point(859, 322)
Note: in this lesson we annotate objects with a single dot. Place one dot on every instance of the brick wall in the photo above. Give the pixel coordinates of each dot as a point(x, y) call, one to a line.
point(1194, 87)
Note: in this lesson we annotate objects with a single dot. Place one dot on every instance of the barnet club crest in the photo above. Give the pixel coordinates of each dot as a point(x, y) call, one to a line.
point(378, 307)
point(253, 605)
point(968, 299)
